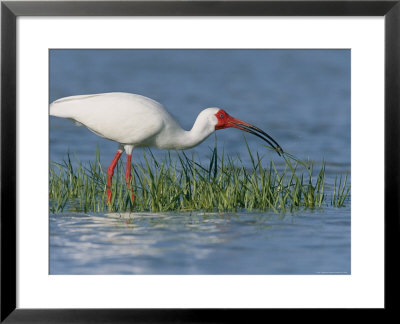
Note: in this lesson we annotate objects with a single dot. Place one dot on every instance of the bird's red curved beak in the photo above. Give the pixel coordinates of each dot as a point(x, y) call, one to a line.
point(228, 121)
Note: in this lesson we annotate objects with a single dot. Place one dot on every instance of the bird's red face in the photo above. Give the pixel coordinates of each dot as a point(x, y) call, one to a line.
point(223, 119)
point(226, 121)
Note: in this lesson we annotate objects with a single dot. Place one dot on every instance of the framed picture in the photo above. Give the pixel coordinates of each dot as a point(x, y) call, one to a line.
point(157, 236)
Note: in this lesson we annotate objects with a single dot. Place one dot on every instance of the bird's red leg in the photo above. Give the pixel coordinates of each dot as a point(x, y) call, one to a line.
point(110, 173)
point(128, 175)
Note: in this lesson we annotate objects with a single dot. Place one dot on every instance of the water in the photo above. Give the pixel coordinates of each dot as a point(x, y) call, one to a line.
point(300, 97)
point(201, 243)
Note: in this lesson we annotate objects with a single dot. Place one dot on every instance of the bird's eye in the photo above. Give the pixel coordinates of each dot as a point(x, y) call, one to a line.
point(221, 115)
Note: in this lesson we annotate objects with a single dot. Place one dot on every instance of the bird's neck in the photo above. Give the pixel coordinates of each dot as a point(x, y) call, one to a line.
point(187, 139)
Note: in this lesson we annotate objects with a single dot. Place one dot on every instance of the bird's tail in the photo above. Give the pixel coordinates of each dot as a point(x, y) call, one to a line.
point(59, 108)
point(56, 109)
point(53, 110)
point(65, 107)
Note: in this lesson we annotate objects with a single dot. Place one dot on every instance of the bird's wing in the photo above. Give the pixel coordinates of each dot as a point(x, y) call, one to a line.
point(122, 117)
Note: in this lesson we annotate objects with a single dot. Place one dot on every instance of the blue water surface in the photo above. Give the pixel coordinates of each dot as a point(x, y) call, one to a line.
point(312, 242)
point(300, 97)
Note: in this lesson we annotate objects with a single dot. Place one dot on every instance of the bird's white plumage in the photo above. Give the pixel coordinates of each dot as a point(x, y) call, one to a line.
point(133, 120)
point(136, 121)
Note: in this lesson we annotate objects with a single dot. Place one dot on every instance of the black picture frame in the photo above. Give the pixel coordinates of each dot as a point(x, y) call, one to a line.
point(10, 10)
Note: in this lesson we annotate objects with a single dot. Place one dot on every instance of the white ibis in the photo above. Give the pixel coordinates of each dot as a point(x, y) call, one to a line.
point(137, 121)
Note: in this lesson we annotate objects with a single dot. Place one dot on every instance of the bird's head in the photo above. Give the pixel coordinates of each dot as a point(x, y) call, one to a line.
point(223, 120)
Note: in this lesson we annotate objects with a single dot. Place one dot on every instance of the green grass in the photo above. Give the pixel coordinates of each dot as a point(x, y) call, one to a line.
point(180, 183)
